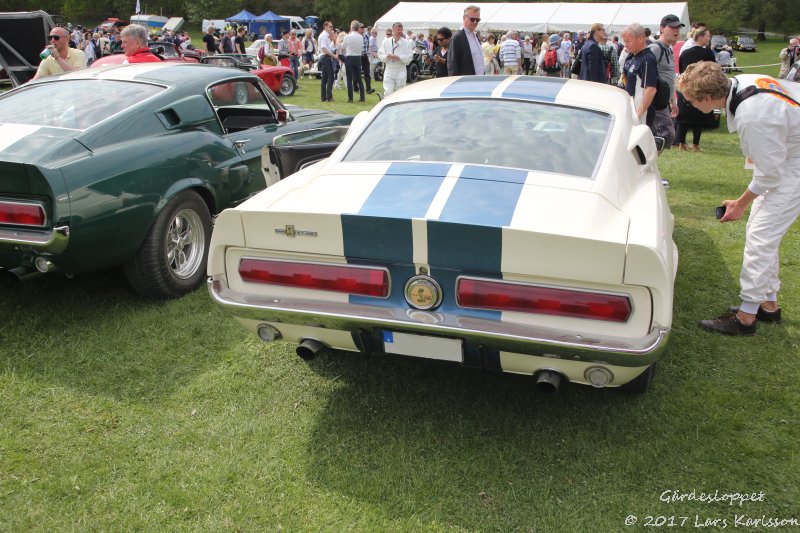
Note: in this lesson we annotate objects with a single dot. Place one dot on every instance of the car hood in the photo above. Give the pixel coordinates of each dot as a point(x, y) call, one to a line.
point(464, 216)
point(46, 146)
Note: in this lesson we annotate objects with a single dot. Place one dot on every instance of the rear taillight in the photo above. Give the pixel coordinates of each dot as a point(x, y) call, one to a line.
point(505, 296)
point(22, 214)
point(337, 278)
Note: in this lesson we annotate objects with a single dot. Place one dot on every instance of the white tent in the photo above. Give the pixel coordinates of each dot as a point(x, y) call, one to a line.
point(546, 17)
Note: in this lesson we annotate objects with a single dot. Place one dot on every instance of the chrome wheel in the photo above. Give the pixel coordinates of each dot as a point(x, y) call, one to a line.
point(185, 243)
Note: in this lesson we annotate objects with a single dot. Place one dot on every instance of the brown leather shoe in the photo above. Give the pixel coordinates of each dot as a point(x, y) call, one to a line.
point(772, 317)
point(729, 324)
point(694, 148)
point(682, 147)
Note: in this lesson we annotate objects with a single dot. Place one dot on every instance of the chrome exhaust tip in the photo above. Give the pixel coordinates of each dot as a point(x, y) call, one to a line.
point(548, 381)
point(309, 348)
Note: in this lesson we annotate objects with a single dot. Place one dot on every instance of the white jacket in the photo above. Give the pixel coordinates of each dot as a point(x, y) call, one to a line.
point(769, 131)
point(402, 48)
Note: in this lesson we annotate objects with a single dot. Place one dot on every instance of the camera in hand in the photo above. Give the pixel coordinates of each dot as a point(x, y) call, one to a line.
point(720, 211)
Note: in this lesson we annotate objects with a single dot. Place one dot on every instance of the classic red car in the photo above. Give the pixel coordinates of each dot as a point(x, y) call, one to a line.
point(279, 79)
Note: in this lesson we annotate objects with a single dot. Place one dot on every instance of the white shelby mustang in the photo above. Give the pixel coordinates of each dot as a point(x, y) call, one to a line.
point(434, 240)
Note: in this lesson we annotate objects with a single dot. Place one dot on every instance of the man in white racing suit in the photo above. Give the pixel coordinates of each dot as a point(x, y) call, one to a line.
point(395, 52)
point(767, 118)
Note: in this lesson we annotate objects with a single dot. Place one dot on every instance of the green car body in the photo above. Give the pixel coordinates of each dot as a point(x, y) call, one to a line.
point(177, 133)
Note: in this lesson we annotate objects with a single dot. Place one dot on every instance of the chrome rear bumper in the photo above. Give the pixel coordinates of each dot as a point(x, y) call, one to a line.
point(50, 241)
point(491, 334)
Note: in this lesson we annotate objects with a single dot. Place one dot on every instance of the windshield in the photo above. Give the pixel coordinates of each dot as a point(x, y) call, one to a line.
point(504, 133)
point(745, 40)
point(70, 104)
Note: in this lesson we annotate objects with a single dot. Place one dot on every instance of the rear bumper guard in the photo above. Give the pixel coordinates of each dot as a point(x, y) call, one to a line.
point(492, 334)
point(51, 242)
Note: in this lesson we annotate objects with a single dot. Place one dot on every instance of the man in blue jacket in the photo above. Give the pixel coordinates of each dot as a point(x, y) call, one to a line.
point(593, 64)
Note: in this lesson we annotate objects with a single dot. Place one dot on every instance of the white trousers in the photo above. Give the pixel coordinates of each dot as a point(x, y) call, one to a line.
point(393, 81)
point(771, 215)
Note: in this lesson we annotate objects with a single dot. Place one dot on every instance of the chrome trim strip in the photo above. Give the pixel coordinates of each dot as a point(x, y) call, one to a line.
point(492, 334)
point(52, 242)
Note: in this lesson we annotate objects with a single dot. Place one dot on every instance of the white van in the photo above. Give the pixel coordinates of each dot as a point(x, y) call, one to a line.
point(297, 23)
point(219, 24)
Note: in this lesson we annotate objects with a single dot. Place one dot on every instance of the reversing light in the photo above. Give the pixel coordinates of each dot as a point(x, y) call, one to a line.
point(505, 296)
point(598, 376)
point(22, 213)
point(348, 279)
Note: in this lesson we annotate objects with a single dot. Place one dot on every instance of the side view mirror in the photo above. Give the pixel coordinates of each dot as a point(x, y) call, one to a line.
point(282, 115)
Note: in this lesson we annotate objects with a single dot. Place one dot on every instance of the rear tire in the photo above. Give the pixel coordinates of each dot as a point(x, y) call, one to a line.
point(288, 85)
point(172, 259)
point(413, 72)
point(641, 383)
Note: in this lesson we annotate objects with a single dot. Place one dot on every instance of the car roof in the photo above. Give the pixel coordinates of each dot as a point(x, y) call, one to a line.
point(586, 94)
point(165, 73)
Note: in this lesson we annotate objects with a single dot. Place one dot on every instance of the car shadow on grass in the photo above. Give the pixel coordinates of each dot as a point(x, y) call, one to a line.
point(437, 444)
point(95, 334)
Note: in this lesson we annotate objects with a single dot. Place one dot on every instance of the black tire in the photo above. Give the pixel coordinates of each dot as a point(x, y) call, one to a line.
point(172, 259)
point(288, 85)
point(413, 72)
point(378, 74)
point(641, 383)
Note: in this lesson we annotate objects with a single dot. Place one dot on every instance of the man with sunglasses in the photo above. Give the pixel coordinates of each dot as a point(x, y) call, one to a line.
point(465, 56)
point(62, 58)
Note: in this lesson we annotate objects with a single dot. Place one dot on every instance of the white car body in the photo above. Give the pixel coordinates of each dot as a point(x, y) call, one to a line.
point(252, 50)
point(460, 217)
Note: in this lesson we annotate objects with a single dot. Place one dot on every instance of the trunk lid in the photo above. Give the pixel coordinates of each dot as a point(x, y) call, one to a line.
point(462, 218)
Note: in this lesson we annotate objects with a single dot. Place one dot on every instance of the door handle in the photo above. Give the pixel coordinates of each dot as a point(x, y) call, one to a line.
point(239, 143)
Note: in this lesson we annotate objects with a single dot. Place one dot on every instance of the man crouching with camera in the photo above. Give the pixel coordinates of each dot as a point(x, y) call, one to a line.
point(767, 119)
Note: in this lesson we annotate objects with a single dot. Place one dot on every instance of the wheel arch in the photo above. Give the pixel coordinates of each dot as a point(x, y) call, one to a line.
point(201, 187)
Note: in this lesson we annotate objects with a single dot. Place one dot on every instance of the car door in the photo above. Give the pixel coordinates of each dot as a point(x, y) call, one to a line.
point(249, 122)
point(294, 151)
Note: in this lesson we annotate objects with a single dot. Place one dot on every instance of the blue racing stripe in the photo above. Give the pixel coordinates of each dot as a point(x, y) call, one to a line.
point(473, 86)
point(405, 191)
point(508, 175)
point(535, 88)
point(484, 203)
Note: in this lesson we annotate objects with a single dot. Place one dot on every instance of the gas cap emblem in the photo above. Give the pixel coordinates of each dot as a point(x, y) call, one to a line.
point(423, 292)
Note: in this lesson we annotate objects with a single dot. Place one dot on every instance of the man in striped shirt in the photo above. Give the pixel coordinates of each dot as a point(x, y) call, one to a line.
point(510, 54)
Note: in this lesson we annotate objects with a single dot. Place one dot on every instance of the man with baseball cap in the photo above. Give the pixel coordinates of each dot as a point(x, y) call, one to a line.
point(669, 32)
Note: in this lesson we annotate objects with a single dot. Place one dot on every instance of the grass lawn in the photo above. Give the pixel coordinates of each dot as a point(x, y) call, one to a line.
point(118, 413)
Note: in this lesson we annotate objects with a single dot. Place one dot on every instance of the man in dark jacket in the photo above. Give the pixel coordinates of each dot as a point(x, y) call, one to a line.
point(593, 64)
point(465, 56)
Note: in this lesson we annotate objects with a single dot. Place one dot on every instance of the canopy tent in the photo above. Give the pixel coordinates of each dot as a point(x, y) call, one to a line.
point(245, 18)
point(271, 23)
point(545, 17)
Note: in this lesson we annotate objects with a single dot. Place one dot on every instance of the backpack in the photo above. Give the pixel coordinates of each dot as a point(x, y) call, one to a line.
point(663, 96)
point(550, 61)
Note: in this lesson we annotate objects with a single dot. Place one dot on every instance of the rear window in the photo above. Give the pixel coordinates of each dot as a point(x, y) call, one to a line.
point(72, 104)
point(505, 133)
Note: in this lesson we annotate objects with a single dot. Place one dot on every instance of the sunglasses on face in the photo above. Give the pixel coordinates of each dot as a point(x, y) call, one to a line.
point(474, 20)
point(439, 39)
point(55, 37)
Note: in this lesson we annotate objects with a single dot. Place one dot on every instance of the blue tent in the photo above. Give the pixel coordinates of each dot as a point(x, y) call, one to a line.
point(244, 18)
point(272, 23)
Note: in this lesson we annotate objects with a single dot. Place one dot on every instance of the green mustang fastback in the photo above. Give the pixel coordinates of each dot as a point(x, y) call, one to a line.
point(127, 165)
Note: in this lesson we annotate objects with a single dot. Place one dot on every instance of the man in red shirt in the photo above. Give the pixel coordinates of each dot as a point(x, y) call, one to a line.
point(134, 43)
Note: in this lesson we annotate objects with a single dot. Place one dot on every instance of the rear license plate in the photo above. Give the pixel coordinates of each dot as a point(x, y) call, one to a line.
point(423, 346)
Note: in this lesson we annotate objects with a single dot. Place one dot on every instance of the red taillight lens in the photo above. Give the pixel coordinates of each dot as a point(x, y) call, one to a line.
point(337, 278)
point(22, 214)
point(502, 296)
